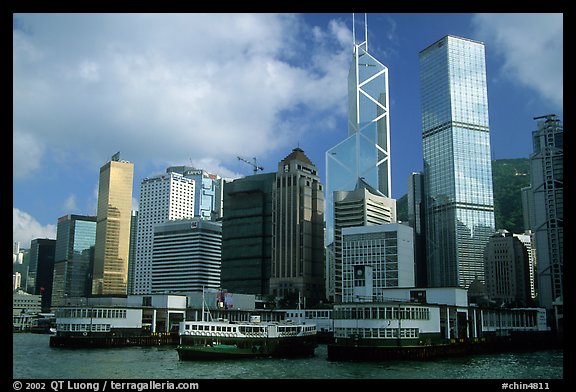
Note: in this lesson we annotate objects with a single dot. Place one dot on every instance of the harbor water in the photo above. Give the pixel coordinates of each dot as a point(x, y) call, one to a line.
point(33, 358)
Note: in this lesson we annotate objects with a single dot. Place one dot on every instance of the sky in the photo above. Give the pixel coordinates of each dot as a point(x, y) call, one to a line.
point(204, 89)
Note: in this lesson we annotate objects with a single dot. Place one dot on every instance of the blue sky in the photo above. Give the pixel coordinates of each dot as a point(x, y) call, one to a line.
point(202, 89)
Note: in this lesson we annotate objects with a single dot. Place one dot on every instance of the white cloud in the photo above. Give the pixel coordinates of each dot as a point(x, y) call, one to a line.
point(170, 86)
point(531, 46)
point(27, 153)
point(25, 228)
point(70, 203)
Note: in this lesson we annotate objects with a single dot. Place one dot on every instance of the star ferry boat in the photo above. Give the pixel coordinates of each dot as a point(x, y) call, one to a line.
point(223, 339)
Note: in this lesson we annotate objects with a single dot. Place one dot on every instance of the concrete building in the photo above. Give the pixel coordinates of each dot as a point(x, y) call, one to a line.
point(110, 273)
point(459, 202)
point(247, 234)
point(208, 191)
point(364, 206)
point(186, 256)
point(297, 230)
point(169, 196)
point(375, 258)
point(507, 274)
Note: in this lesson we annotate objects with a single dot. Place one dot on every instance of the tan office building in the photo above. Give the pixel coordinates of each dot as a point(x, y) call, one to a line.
point(110, 276)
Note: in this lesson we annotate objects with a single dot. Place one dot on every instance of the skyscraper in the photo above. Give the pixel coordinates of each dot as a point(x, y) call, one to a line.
point(165, 197)
point(365, 153)
point(110, 276)
point(459, 204)
point(247, 234)
point(298, 230)
point(208, 190)
point(74, 257)
point(416, 221)
point(41, 270)
point(186, 255)
point(547, 175)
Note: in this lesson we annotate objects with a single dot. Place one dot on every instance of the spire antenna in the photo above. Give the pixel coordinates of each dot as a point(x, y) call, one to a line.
point(366, 30)
point(353, 31)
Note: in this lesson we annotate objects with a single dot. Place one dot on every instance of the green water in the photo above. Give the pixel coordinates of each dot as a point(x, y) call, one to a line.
point(33, 358)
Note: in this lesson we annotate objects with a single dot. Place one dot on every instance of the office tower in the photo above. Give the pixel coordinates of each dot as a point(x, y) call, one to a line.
point(110, 274)
point(168, 196)
point(547, 182)
point(375, 258)
point(364, 206)
point(365, 153)
point(298, 231)
point(459, 204)
point(41, 270)
point(74, 257)
point(207, 191)
point(186, 256)
point(506, 270)
point(247, 234)
point(417, 222)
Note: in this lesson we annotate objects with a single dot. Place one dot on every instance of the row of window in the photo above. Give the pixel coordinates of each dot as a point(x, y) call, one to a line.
point(92, 313)
point(83, 327)
point(382, 313)
point(382, 333)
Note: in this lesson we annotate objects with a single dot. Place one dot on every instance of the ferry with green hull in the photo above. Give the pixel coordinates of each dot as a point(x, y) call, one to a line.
point(222, 339)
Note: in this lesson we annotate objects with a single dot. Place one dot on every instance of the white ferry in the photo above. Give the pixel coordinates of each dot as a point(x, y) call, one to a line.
point(221, 338)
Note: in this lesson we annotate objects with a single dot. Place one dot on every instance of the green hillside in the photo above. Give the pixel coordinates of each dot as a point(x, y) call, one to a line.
point(509, 176)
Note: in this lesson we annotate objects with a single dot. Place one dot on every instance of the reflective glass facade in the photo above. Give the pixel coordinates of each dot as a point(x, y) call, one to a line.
point(365, 153)
point(74, 255)
point(113, 219)
point(457, 166)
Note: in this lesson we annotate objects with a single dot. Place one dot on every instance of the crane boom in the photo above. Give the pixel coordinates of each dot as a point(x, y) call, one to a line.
point(255, 167)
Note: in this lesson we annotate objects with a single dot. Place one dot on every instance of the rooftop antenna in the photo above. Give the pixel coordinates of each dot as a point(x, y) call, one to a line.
point(353, 31)
point(366, 30)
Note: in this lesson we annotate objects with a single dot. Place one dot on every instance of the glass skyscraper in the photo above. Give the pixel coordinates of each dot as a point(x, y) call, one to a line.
point(113, 217)
point(459, 205)
point(74, 255)
point(365, 153)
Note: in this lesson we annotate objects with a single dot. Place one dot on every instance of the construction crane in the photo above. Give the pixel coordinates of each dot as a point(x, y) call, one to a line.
point(255, 167)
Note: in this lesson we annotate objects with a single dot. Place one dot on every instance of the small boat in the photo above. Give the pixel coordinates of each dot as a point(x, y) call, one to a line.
point(222, 339)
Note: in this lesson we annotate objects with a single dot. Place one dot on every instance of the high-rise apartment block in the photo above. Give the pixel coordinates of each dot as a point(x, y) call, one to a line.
point(459, 203)
point(110, 274)
point(298, 230)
